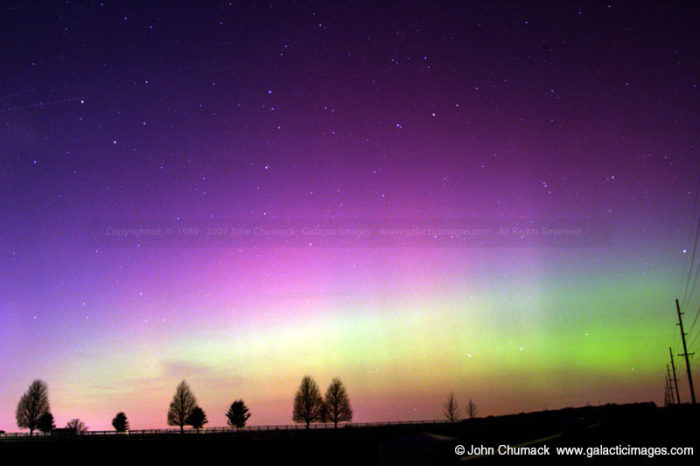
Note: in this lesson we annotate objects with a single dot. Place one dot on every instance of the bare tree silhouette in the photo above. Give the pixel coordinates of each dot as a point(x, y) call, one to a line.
point(451, 408)
point(33, 404)
point(237, 414)
point(197, 418)
point(307, 402)
point(77, 426)
point(120, 422)
point(181, 407)
point(472, 411)
point(337, 404)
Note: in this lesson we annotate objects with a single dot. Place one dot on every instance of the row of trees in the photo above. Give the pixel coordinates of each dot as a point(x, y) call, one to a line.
point(452, 411)
point(184, 411)
point(33, 411)
point(310, 407)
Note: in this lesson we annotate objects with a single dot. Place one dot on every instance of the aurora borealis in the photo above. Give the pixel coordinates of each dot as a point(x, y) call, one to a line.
point(194, 114)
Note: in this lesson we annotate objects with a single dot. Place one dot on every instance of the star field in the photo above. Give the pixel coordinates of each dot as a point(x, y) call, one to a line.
point(195, 115)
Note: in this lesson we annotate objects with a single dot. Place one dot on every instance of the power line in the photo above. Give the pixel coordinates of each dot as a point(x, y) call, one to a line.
point(685, 352)
point(675, 379)
point(689, 299)
point(692, 261)
point(697, 313)
point(690, 233)
point(695, 319)
point(675, 337)
point(692, 343)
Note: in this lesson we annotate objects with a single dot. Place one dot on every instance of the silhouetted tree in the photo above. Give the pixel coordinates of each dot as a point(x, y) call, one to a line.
point(181, 407)
point(451, 408)
point(197, 418)
point(307, 402)
point(120, 422)
point(337, 404)
point(46, 423)
point(238, 414)
point(33, 404)
point(76, 425)
point(471, 409)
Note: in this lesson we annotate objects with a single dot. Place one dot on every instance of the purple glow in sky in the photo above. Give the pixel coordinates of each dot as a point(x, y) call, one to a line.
point(198, 115)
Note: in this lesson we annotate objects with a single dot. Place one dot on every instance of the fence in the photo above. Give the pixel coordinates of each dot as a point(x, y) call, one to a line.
point(222, 430)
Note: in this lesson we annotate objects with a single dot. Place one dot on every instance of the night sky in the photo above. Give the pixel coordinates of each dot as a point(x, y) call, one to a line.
point(182, 114)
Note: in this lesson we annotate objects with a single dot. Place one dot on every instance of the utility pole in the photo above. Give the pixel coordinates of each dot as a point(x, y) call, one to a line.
point(669, 385)
point(667, 391)
point(685, 352)
point(675, 380)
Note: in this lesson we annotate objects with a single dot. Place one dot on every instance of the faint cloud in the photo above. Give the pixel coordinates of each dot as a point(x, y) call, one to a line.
point(185, 369)
point(201, 374)
point(223, 382)
point(197, 374)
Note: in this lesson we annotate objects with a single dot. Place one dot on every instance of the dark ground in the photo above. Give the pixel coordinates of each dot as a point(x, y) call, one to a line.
point(642, 425)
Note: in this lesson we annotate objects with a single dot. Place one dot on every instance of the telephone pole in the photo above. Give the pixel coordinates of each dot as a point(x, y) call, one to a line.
point(669, 385)
point(675, 380)
point(685, 352)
